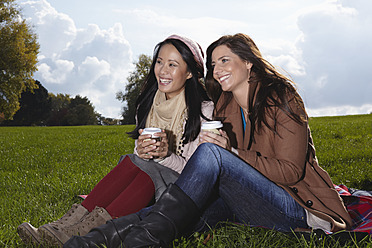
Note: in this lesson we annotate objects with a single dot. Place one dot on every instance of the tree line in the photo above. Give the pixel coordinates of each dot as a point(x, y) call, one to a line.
point(25, 102)
point(40, 108)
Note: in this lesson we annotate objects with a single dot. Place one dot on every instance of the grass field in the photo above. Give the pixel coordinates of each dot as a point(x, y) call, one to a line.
point(42, 169)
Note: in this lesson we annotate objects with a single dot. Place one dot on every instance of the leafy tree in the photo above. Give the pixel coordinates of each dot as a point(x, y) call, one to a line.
point(59, 108)
point(81, 112)
point(60, 101)
point(133, 88)
point(18, 58)
point(67, 111)
point(35, 108)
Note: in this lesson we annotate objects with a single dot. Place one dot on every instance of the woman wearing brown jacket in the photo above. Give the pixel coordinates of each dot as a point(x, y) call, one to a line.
point(261, 170)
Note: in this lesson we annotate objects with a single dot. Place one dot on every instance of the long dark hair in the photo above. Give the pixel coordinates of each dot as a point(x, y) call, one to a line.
point(195, 92)
point(275, 89)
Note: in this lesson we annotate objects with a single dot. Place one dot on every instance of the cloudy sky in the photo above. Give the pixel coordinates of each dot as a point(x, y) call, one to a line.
point(88, 47)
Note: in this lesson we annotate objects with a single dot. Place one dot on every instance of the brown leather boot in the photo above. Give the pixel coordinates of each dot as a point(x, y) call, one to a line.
point(31, 235)
point(57, 237)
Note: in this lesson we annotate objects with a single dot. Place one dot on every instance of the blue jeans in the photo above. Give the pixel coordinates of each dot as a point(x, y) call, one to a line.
point(225, 187)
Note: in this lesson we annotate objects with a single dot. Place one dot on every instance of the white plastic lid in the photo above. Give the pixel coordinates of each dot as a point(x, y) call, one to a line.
point(151, 130)
point(211, 125)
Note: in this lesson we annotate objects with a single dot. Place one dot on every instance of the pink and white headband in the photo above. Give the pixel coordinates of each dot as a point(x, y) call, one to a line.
point(193, 46)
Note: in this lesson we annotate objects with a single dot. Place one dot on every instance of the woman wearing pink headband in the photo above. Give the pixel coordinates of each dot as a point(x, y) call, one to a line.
point(173, 99)
point(260, 170)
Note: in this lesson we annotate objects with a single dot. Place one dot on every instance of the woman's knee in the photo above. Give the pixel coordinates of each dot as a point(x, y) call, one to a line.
point(206, 157)
point(208, 151)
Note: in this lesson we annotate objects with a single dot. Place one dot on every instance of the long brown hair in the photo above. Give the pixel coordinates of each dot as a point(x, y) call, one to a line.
point(275, 89)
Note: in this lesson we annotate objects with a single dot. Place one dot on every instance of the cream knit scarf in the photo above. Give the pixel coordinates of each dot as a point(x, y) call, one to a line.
point(170, 116)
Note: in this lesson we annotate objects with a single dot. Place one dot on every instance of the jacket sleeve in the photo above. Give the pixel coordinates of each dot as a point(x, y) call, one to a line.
point(287, 163)
point(177, 163)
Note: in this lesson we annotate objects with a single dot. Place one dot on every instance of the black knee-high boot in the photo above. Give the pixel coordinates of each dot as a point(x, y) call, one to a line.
point(168, 219)
point(108, 235)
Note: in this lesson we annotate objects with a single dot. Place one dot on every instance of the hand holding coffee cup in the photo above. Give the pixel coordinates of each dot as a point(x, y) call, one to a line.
point(211, 132)
point(152, 143)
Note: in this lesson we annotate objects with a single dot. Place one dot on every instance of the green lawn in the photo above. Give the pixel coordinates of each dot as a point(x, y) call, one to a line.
point(344, 148)
point(42, 170)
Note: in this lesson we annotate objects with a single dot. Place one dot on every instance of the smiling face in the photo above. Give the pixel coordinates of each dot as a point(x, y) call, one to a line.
point(171, 71)
point(230, 71)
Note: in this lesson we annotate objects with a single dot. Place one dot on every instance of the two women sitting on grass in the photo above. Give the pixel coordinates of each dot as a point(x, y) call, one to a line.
point(260, 170)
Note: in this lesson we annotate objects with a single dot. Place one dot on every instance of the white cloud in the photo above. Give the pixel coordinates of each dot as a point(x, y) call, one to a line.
point(59, 72)
point(327, 53)
point(87, 61)
point(323, 60)
point(293, 68)
point(336, 56)
point(203, 29)
point(55, 30)
point(92, 69)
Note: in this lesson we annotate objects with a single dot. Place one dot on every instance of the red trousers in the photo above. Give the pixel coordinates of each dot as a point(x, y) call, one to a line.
point(124, 190)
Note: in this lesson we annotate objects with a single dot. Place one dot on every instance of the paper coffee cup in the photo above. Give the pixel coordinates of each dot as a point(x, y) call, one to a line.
point(152, 131)
point(212, 126)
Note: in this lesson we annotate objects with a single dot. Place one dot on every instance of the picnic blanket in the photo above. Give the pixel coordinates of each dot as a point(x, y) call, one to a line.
point(359, 205)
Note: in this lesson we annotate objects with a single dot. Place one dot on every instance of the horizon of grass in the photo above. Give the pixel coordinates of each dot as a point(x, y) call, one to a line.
point(44, 168)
